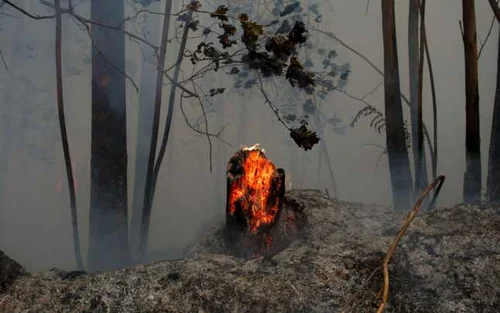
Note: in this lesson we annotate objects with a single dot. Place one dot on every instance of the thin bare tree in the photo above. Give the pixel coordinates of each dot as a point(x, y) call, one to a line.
point(493, 183)
point(148, 89)
point(154, 166)
point(64, 138)
point(148, 197)
point(472, 177)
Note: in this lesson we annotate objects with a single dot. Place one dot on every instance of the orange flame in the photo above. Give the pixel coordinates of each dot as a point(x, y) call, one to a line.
point(252, 190)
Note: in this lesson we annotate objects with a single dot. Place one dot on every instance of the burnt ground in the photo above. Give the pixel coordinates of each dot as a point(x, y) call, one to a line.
point(449, 261)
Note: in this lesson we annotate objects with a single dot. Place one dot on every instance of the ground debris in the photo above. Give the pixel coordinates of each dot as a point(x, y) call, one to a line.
point(449, 261)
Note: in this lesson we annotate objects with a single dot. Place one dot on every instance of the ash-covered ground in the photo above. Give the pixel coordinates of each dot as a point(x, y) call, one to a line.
point(449, 261)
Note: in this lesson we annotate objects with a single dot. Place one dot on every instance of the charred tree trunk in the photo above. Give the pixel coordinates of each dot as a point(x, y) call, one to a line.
point(472, 178)
point(255, 193)
point(108, 242)
point(399, 164)
point(493, 184)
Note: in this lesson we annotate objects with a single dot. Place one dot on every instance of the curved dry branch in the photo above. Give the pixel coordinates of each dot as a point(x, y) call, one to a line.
point(437, 183)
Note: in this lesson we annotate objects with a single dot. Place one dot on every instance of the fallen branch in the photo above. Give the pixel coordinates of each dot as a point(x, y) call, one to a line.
point(437, 183)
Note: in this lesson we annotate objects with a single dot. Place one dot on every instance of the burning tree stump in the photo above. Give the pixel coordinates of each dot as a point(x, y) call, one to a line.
point(255, 195)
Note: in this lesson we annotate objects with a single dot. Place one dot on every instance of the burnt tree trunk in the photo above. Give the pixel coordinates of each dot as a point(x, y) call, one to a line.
point(250, 223)
point(108, 242)
point(493, 183)
point(399, 164)
point(472, 178)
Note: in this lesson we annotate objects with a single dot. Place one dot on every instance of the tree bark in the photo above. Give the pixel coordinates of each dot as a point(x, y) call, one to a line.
point(472, 178)
point(493, 183)
point(399, 164)
point(108, 237)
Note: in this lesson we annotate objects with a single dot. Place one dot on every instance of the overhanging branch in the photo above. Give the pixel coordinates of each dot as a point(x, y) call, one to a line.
point(495, 8)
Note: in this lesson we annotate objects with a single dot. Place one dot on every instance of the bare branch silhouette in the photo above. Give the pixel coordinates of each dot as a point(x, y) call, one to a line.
point(495, 8)
point(487, 37)
point(196, 130)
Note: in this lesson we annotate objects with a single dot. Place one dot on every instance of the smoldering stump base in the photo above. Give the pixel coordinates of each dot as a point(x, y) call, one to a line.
point(254, 203)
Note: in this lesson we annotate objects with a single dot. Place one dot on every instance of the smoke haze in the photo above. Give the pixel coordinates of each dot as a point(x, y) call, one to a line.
point(35, 227)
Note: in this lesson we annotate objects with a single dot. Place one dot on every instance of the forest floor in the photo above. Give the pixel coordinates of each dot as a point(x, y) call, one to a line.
point(449, 261)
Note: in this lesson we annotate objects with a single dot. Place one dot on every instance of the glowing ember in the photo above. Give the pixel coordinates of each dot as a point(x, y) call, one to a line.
point(254, 187)
point(260, 220)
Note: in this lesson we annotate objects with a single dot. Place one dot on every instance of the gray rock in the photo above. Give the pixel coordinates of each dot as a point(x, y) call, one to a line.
point(449, 261)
